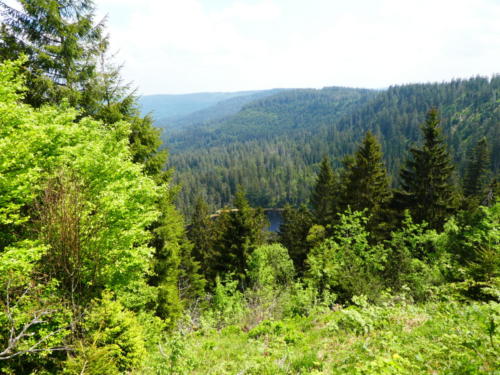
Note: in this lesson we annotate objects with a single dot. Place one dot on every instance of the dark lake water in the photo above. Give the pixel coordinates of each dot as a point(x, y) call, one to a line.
point(275, 219)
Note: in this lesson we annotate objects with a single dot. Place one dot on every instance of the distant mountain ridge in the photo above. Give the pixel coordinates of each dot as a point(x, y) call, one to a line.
point(272, 145)
point(170, 110)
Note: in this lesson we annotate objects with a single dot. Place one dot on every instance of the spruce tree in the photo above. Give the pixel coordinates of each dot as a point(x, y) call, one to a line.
point(323, 196)
point(365, 184)
point(61, 40)
point(201, 233)
point(176, 274)
point(426, 180)
point(293, 234)
point(240, 231)
point(478, 170)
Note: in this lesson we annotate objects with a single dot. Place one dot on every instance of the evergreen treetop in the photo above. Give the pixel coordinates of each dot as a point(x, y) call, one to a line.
point(426, 180)
point(324, 194)
point(478, 170)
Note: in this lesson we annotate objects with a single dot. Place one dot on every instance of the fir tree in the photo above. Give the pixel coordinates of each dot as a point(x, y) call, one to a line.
point(62, 42)
point(201, 232)
point(240, 230)
point(478, 170)
point(366, 183)
point(176, 274)
point(293, 234)
point(324, 194)
point(426, 180)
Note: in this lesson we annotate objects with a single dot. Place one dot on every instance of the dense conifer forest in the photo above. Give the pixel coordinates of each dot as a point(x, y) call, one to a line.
point(113, 262)
point(273, 146)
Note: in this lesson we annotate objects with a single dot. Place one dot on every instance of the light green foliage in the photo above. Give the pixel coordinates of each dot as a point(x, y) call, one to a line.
point(474, 240)
point(74, 218)
point(37, 145)
point(270, 266)
point(32, 316)
point(271, 275)
point(346, 264)
point(414, 262)
point(447, 338)
point(114, 340)
point(227, 304)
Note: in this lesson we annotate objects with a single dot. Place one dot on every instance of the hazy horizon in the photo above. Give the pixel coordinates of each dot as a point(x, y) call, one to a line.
point(193, 46)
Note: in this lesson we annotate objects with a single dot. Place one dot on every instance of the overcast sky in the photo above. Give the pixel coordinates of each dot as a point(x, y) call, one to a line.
point(183, 46)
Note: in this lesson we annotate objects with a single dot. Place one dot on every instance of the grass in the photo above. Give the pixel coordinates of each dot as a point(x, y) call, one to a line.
point(435, 338)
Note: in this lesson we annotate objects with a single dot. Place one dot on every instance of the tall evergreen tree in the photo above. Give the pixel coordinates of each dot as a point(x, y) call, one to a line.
point(366, 183)
point(293, 234)
point(176, 273)
point(323, 196)
point(478, 170)
point(201, 232)
point(241, 230)
point(61, 40)
point(426, 180)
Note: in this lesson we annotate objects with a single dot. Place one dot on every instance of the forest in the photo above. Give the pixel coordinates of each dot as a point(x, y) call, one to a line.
point(113, 262)
point(274, 145)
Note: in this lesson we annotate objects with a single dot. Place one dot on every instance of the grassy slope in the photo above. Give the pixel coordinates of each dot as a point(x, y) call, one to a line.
point(436, 338)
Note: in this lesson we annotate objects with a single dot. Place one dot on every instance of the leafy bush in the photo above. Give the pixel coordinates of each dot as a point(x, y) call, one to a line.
point(270, 266)
point(474, 239)
point(227, 304)
point(414, 262)
point(347, 264)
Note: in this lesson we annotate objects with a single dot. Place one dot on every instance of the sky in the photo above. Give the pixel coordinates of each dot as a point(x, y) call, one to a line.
point(185, 46)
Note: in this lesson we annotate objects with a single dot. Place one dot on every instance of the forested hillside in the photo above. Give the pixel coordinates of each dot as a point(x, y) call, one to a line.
point(174, 111)
point(273, 146)
point(267, 147)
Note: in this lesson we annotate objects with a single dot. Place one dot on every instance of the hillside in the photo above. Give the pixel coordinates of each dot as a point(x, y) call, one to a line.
point(177, 110)
point(400, 339)
point(218, 111)
point(272, 146)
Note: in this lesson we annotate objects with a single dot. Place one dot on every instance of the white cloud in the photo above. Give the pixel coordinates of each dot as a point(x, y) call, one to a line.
point(194, 45)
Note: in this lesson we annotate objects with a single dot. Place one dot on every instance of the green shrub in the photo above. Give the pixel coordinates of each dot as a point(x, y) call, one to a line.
point(270, 266)
point(227, 305)
point(113, 340)
point(347, 264)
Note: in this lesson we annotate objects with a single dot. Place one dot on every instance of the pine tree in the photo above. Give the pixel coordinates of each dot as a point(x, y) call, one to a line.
point(293, 234)
point(176, 276)
point(323, 196)
point(201, 233)
point(478, 170)
point(240, 231)
point(61, 40)
point(426, 180)
point(366, 183)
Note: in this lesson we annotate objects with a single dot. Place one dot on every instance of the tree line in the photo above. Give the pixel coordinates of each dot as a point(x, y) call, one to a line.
point(274, 147)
